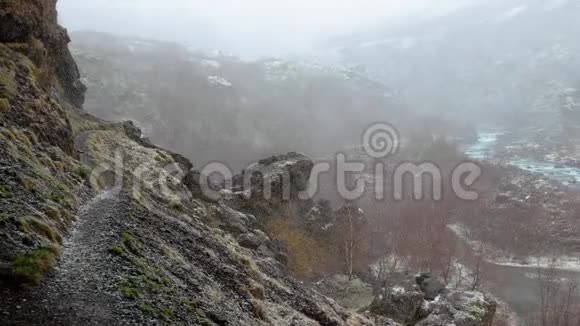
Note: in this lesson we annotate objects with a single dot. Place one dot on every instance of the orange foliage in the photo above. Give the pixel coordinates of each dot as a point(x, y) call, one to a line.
point(307, 257)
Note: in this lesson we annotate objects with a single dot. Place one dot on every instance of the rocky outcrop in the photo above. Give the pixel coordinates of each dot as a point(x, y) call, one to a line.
point(399, 304)
point(31, 28)
point(280, 177)
point(461, 308)
point(425, 301)
point(429, 285)
point(136, 135)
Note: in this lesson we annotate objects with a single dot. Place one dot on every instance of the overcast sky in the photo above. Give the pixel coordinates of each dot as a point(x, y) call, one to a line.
point(246, 27)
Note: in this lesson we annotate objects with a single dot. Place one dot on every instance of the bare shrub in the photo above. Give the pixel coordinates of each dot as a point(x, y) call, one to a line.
point(558, 298)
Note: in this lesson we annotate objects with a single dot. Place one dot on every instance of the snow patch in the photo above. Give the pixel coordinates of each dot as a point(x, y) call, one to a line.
point(398, 289)
point(219, 81)
point(500, 258)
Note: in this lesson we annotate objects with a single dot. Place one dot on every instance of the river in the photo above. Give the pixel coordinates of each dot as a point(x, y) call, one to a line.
point(516, 285)
point(484, 149)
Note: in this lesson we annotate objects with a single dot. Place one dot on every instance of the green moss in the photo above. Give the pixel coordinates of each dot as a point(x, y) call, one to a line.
point(82, 172)
point(189, 305)
point(5, 218)
point(81, 121)
point(147, 309)
point(130, 292)
point(127, 237)
point(5, 192)
point(117, 250)
point(477, 311)
point(177, 206)
point(24, 225)
point(130, 242)
point(30, 268)
point(167, 312)
point(57, 197)
point(53, 212)
point(134, 286)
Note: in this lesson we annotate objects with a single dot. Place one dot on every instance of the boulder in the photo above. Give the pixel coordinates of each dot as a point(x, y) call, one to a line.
point(460, 308)
point(192, 181)
point(429, 303)
point(279, 177)
point(429, 285)
point(400, 304)
point(250, 240)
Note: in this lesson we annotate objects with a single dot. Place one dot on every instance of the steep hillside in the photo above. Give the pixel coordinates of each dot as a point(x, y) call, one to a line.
point(101, 227)
point(510, 58)
point(123, 255)
point(234, 110)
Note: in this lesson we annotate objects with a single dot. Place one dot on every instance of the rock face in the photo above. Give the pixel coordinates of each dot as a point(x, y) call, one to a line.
point(40, 176)
point(432, 287)
point(31, 28)
point(461, 308)
point(426, 302)
point(400, 304)
point(136, 135)
point(280, 177)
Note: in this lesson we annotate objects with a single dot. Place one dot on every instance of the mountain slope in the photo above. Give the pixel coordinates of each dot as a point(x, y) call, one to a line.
point(500, 61)
point(101, 227)
point(123, 255)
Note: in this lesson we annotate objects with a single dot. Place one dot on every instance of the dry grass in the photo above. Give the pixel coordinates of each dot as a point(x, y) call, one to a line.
point(4, 106)
point(8, 85)
point(307, 257)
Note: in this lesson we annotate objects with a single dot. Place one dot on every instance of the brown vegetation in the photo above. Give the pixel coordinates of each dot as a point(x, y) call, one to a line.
point(308, 257)
point(559, 300)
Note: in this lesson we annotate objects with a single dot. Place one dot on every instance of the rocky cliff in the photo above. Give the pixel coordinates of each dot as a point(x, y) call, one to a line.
point(96, 224)
point(31, 28)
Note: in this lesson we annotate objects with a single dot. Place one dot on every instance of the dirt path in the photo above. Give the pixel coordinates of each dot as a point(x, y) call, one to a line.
point(82, 289)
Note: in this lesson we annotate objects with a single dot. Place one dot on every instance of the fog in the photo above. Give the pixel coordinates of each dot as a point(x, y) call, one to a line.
point(246, 28)
point(471, 64)
point(495, 81)
point(438, 136)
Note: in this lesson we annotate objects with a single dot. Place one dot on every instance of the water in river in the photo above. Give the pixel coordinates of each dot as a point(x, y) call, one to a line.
point(483, 149)
point(514, 285)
